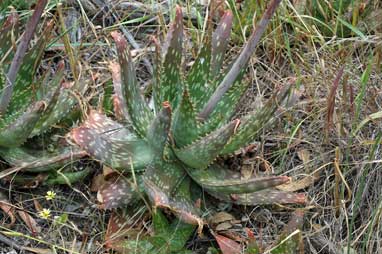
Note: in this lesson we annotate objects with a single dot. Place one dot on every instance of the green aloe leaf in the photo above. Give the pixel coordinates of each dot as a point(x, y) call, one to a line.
point(220, 39)
point(252, 123)
point(161, 178)
point(169, 238)
point(225, 108)
point(222, 180)
point(111, 143)
point(168, 186)
point(24, 93)
point(104, 125)
point(205, 72)
point(198, 77)
point(263, 197)
point(8, 31)
point(116, 192)
point(184, 127)
point(16, 132)
point(157, 133)
point(2, 79)
point(53, 97)
point(170, 86)
point(139, 113)
point(64, 108)
point(119, 105)
point(40, 161)
point(116, 153)
point(201, 153)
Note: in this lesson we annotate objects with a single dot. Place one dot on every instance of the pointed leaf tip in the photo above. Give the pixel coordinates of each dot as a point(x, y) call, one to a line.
point(166, 105)
point(178, 12)
point(119, 40)
point(201, 153)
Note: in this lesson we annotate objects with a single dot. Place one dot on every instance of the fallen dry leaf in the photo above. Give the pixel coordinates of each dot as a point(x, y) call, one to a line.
point(221, 217)
point(37, 205)
point(30, 222)
point(118, 229)
point(8, 210)
point(97, 182)
point(228, 246)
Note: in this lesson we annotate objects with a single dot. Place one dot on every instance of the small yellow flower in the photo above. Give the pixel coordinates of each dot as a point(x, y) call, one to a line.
point(45, 213)
point(50, 195)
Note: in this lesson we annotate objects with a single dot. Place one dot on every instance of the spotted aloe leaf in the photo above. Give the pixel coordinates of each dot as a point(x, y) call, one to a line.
point(40, 161)
point(139, 113)
point(118, 154)
point(170, 87)
point(202, 78)
point(8, 31)
point(240, 63)
point(160, 179)
point(220, 39)
point(24, 94)
point(111, 143)
point(253, 122)
point(168, 186)
point(198, 77)
point(17, 60)
point(16, 132)
point(169, 238)
point(157, 133)
point(104, 125)
point(201, 153)
point(225, 108)
point(263, 197)
point(51, 91)
point(185, 126)
point(119, 105)
point(219, 179)
point(115, 192)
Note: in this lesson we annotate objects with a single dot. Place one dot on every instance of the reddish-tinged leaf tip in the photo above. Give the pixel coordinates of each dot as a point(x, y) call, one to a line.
point(119, 40)
point(40, 106)
point(228, 246)
point(178, 12)
point(60, 65)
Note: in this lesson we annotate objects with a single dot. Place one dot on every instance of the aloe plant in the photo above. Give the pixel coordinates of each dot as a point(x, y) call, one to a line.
point(30, 105)
point(171, 148)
